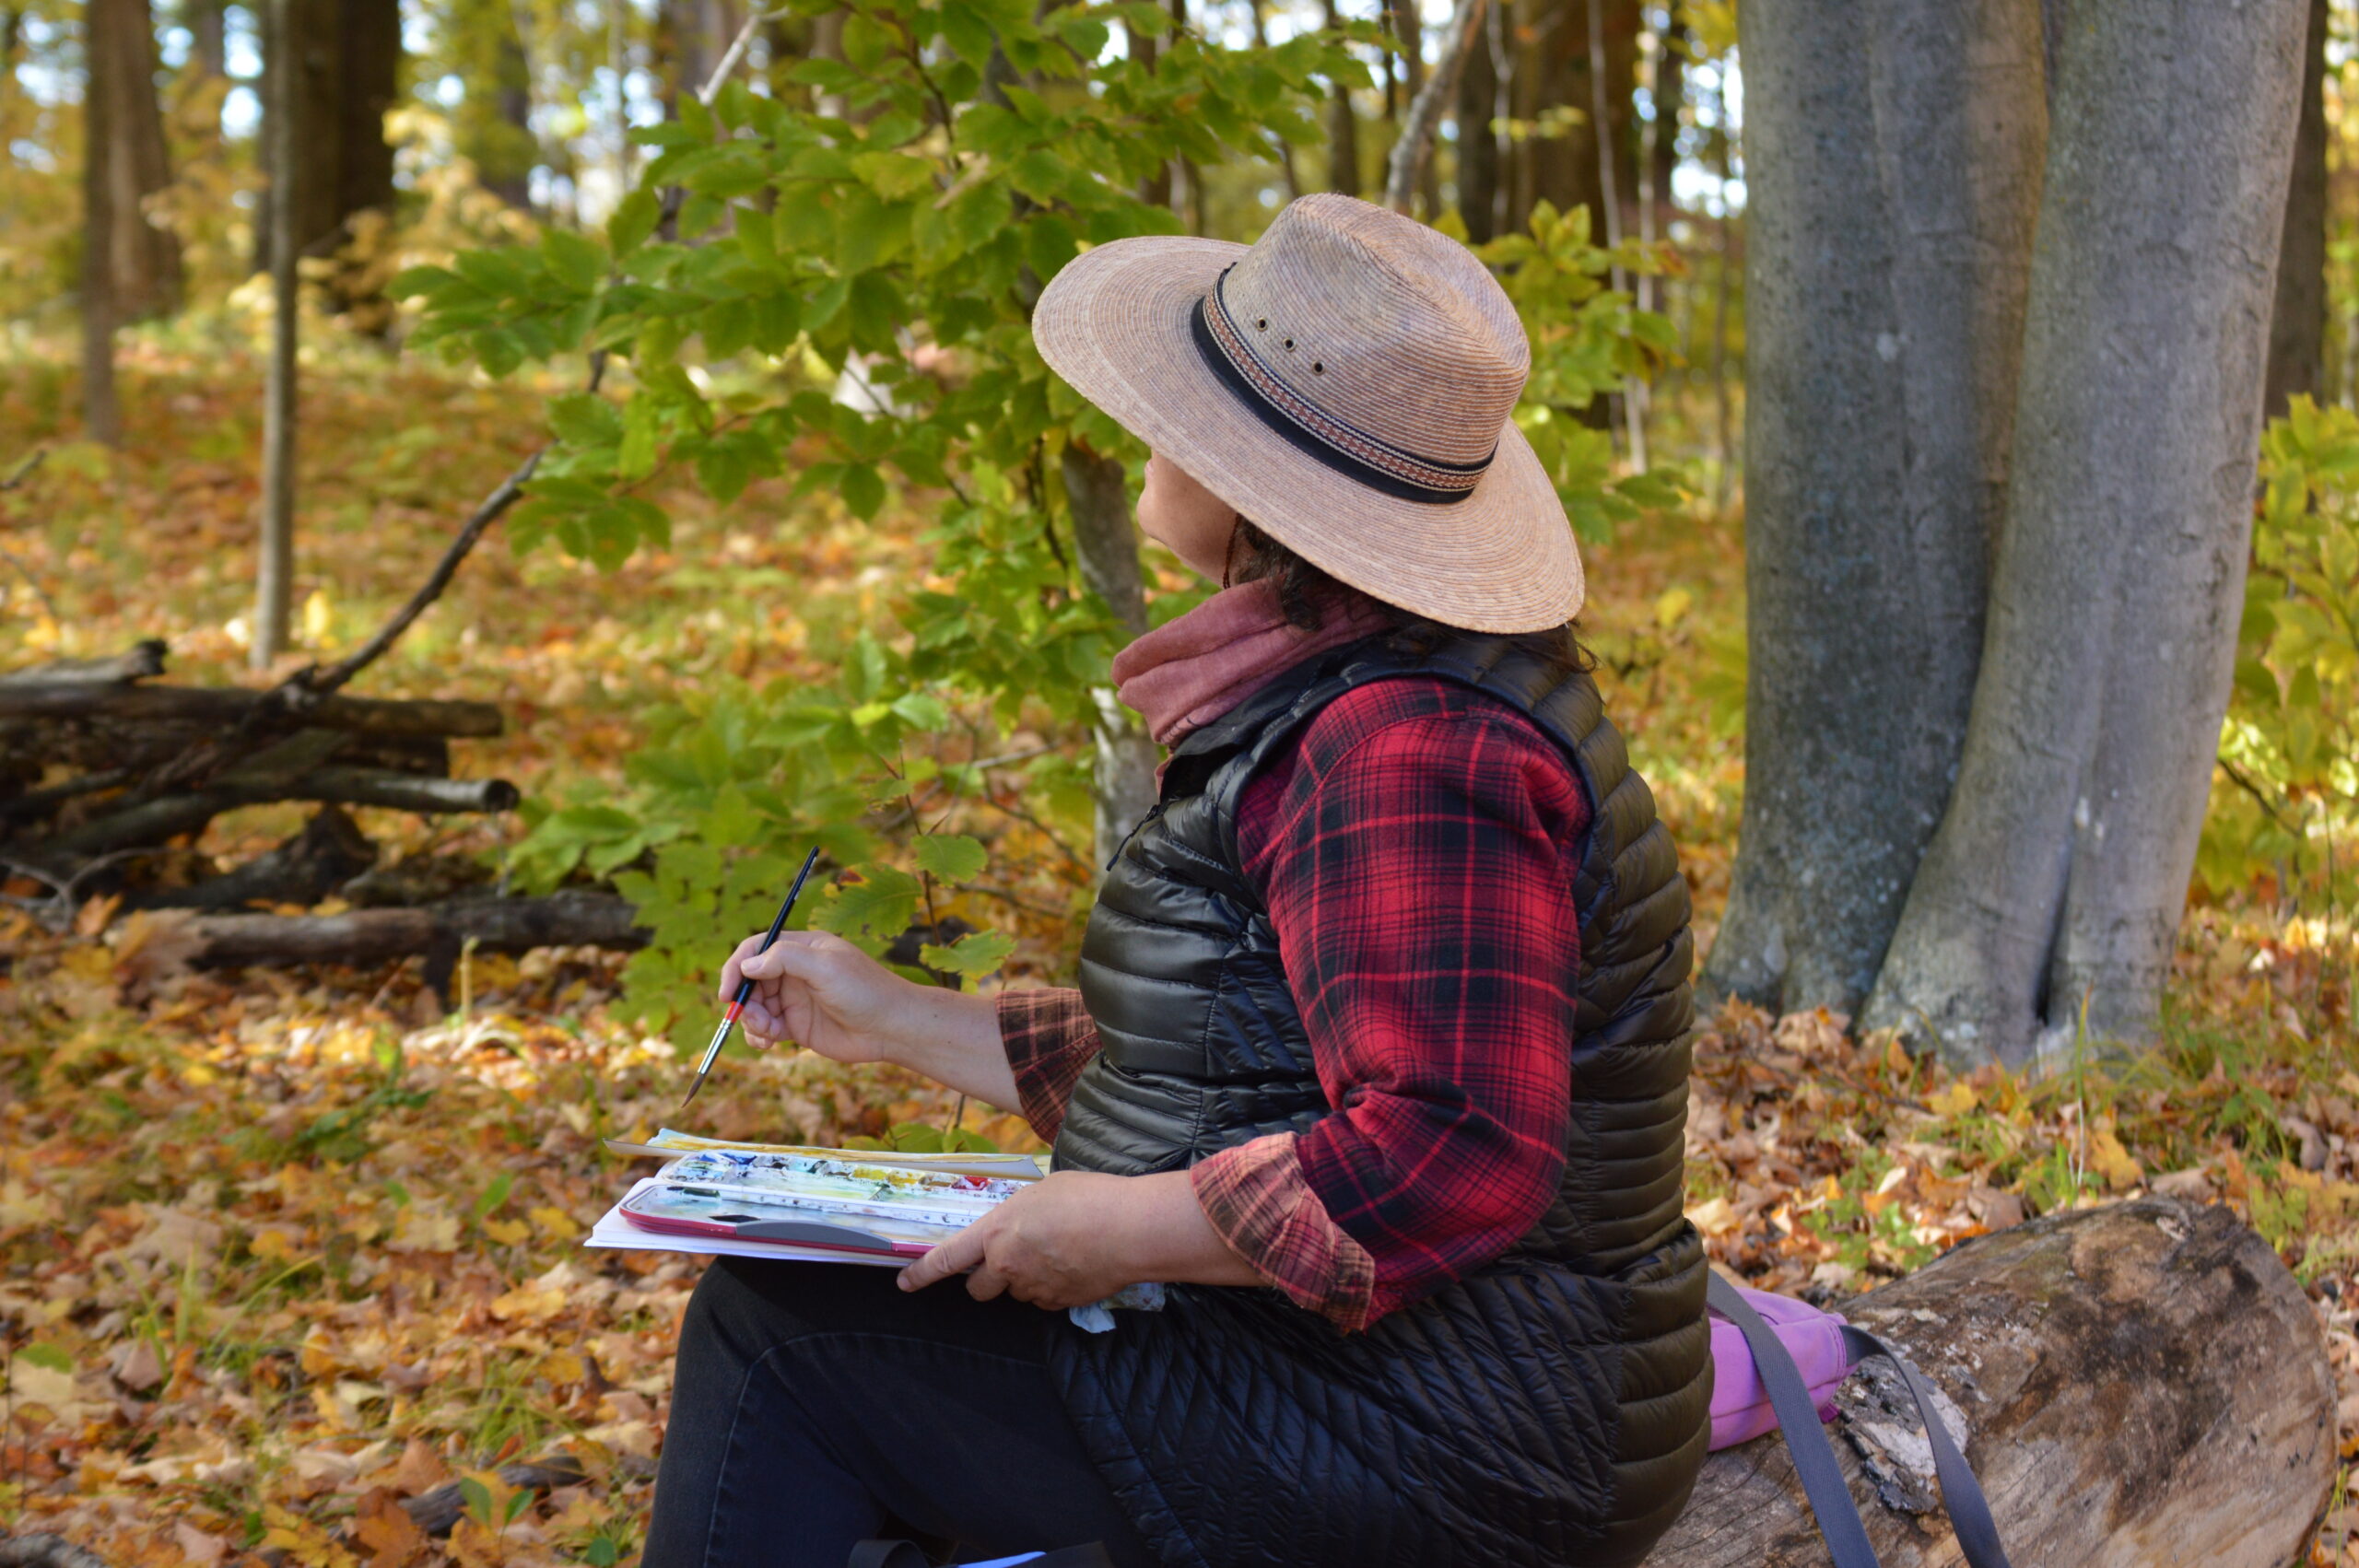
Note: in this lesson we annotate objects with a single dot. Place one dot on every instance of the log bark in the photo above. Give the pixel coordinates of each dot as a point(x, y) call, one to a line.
point(379, 936)
point(1880, 391)
point(2054, 885)
point(2140, 1384)
point(154, 822)
point(218, 707)
point(329, 853)
point(142, 661)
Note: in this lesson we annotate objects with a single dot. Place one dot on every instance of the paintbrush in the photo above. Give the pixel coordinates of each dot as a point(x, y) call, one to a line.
point(745, 987)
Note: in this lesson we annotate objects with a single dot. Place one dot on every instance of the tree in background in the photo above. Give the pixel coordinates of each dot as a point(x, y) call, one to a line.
point(345, 60)
point(1938, 390)
point(131, 267)
point(2297, 321)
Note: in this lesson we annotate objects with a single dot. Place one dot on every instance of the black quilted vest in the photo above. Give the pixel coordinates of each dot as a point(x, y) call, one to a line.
point(1549, 1409)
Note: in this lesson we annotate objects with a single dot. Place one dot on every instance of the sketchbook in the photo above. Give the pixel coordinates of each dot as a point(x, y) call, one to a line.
point(794, 1204)
point(837, 1203)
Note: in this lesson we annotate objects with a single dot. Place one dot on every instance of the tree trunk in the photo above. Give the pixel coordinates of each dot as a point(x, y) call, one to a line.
point(2060, 871)
point(101, 416)
point(1881, 374)
point(1342, 128)
point(2140, 1384)
point(1478, 142)
point(292, 175)
point(1097, 492)
point(145, 259)
point(208, 37)
point(1409, 169)
point(344, 56)
point(2297, 323)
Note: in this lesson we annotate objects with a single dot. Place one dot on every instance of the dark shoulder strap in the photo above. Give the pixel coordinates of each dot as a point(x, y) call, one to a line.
point(1815, 1462)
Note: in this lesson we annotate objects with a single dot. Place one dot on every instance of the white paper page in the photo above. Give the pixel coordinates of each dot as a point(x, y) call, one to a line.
point(612, 1230)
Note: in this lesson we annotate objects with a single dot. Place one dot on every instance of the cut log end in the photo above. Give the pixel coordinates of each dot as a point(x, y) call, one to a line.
point(2141, 1383)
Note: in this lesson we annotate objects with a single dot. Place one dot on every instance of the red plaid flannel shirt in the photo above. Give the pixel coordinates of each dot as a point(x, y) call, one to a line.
point(1415, 850)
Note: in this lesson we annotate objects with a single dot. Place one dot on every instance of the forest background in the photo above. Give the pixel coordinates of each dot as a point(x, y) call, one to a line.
point(287, 1242)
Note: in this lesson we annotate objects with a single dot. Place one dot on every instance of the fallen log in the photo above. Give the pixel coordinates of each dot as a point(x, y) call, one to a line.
point(153, 822)
point(141, 662)
point(329, 853)
point(216, 706)
point(379, 936)
point(2139, 1384)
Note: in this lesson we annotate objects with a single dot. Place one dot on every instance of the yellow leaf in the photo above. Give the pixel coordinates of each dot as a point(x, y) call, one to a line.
point(556, 1221)
point(529, 1303)
point(507, 1233)
point(565, 1367)
point(2111, 1161)
point(1714, 1217)
point(276, 1244)
point(1955, 1100)
point(1673, 607)
point(423, 1228)
point(318, 1355)
point(319, 619)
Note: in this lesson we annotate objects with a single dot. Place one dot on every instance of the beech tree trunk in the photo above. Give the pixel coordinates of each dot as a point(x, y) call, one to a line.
point(1098, 491)
point(2138, 1385)
point(1478, 143)
point(345, 57)
point(1892, 195)
point(293, 183)
point(2056, 878)
point(101, 414)
point(2298, 320)
point(144, 260)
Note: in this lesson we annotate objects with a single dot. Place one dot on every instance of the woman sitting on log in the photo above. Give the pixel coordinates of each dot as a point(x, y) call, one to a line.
point(1378, 1057)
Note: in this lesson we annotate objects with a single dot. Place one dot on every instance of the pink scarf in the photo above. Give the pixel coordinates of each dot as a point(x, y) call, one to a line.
point(1184, 675)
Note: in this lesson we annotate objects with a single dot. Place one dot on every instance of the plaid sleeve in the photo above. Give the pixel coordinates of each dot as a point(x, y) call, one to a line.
point(1416, 853)
point(1048, 1038)
point(1256, 1198)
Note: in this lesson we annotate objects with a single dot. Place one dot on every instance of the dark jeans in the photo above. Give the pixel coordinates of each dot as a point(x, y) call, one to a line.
point(815, 1405)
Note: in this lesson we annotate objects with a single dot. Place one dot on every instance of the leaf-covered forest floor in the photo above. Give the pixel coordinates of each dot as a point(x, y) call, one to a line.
point(280, 1248)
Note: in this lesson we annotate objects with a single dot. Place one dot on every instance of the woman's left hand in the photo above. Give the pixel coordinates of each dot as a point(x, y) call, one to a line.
point(1059, 1243)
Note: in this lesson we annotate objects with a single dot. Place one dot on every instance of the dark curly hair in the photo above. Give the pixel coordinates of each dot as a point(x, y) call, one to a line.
point(1308, 596)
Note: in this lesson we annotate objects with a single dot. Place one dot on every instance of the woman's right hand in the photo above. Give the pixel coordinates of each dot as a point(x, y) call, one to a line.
point(818, 991)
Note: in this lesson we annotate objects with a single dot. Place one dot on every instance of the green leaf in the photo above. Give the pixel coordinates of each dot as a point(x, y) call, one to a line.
point(634, 219)
point(863, 490)
point(42, 1353)
point(642, 418)
point(871, 911)
point(953, 857)
point(974, 957)
point(573, 261)
point(584, 419)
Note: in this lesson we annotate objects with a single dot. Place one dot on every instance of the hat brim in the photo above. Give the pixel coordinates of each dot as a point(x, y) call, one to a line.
point(1115, 323)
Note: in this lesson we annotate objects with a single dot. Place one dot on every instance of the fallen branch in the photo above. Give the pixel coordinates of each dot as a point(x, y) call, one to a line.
point(153, 822)
point(221, 706)
point(2138, 1383)
point(144, 660)
point(46, 1550)
point(365, 936)
point(438, 1512)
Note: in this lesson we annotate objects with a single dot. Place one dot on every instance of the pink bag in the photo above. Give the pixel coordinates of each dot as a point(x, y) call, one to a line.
point(1740, 1403)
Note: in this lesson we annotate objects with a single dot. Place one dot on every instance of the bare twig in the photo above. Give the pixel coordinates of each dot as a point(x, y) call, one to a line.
point(23, 470)
point(316, 683)
point(1407, 165)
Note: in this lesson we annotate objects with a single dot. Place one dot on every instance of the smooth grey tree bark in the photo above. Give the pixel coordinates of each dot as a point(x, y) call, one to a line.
point(275, 567)
point(1891, 153)
point(2059, 874)
point(1098, 490)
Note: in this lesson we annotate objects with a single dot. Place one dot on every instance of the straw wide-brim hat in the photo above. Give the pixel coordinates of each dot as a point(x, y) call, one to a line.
point(1347, 383)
